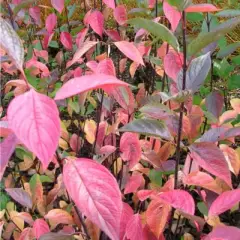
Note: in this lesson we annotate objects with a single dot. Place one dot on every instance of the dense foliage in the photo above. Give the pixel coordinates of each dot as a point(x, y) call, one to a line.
point(117, 123)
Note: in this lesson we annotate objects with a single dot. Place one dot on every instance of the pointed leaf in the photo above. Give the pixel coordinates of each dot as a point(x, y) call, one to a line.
point(96, 21)
point(7, 148)
point(214, 103)
point(148, 127)
point(120, 14)
point(86, 83)
point(129, 49)
point(95, 192)
point(34, 118)
point(204, 39)
point(130, 148)
point(58, 5)
point(196, 73)
point(134, 229)
point(20, 196)
point(11, 43)
point(228, 13)
point(40, 227)
point(225, 201)
point(156, 29)
point(179, 199)
point(211, 158)
point(172, 15)
point(51, 22)
point(66, 40)
point(205, 7)
point(224, 233)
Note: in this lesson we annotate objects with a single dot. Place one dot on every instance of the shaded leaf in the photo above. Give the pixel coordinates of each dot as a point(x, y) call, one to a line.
point(214, 103)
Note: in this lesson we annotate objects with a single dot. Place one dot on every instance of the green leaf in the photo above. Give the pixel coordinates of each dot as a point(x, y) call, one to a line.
point(45, 179)
point(156, 177)
point(180, 4)
point(195, 17)
point(204, 39)
point(234, 82)
point(202, 208)
point(236, 60)
point(223, 68)
point(156, 29)
point(228, 13)
point(226, 51)
point(4, 200)
point(148, 127)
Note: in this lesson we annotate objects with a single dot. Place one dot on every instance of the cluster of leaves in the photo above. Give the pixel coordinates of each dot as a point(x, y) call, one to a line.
point(85, 155)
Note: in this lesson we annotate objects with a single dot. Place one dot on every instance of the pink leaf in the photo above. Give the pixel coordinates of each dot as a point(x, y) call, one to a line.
point(173, 62)
point(172, 15)
point(40, 227)
point(95, 192)
point(34, 118)
point(86, 83)
point(129, 49)
point(214, 103)
point(225, 201)
point(66, 40)
point(130, 148)
point(134, 182)
point(96, 21)
point(82, 50)
point(58, 5)
point(110, 3)
point(35, 13)
point(127, 213)
point(7, 148)
point(134, 229)
point(211, 158)
point(224, 233)
point(120, 14)
point(113, 34)
point(81, 36)
point(107, 67)
point(205, 7)
point(20, 196)
point(51, 22)
point(179, 199)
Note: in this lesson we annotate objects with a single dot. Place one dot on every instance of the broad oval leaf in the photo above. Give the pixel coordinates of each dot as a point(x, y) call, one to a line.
point(224, 233)
point(211, 158)
point(11, 43)
point(205, 7)
point(51, 22)
point(214, 103)
point(204, 39)
point(7, 148)
point(120, 14)
point(66, 40)
point(129, 49)
point(130, 148)
point(95, 192)
point(156, 29)
point(179, 199)
point(96, 21)
point(40, 227)
point(172, 15)
point(134, 229)
point(225, 201)
point(58, 5)
point(196, 73)
point(20, 196)
point(86, 83)
point(148, 127)
point(34, 118)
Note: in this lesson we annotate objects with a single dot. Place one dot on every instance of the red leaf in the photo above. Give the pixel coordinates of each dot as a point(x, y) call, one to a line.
point(96, 21)
point(225, 201)
point(34, 118)
point(120, 14)
point(110, 3)
point(134, 182)
point(51, 22)
point(7, 148)
point(224, 233)
point(205, 7)
point(95, 192)
point(172, 15)
point(40, 227)
point(58, 5)
point(211, 158)
point(20, 196)
point(129, 49)
point(86, 83)
point(179, 199)
point(173, 62)
point(35, 13)
point(134, 229)
point(127, 213)
point(66, 40)
point(130, 148)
